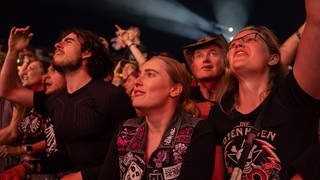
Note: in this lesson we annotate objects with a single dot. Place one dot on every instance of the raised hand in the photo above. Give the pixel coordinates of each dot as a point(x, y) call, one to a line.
point(19, 38)
point(123, 35)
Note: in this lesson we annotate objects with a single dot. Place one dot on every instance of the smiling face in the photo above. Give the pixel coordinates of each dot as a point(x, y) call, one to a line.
point(207, 62)
point(154, 87)
point(32, 75)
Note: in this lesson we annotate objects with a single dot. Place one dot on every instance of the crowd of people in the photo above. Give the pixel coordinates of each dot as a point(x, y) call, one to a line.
point(247, 109)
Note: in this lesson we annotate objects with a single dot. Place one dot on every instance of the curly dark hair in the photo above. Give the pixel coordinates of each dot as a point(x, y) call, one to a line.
point(99, 64)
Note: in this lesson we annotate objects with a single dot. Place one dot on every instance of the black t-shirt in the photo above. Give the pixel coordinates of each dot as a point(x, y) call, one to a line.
point(196, 95)
point(288, 128)
point(84, 123)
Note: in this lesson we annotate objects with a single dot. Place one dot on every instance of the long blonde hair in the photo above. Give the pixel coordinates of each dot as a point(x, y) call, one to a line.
point(179, 74)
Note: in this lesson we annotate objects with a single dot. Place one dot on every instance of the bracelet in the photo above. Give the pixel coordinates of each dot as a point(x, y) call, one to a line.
point(298, 34)
point(119, 75)
point(131, 45)
point(28, 148)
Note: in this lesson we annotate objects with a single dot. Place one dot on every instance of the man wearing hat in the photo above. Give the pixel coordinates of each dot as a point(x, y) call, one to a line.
point(206, 59)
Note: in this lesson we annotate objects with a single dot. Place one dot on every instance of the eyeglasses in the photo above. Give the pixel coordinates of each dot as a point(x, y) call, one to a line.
point(246, 38)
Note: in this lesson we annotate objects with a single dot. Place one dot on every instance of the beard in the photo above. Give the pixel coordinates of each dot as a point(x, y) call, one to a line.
point(67, 67)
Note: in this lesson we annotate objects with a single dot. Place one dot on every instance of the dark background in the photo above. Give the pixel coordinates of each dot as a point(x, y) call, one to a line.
point(48, 18)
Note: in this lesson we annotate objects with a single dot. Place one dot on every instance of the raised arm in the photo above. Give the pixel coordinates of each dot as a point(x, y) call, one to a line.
point(127, 38)
point(289, 48)
point(306, 68)
point(19, 38)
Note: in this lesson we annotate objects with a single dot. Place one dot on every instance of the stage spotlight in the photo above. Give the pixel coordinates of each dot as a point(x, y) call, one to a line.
point(166, 15)
point(232, 12)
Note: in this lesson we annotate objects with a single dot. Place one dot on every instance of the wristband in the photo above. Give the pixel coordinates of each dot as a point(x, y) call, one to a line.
point(119, 75)
point(131, 45)
point(28, 148)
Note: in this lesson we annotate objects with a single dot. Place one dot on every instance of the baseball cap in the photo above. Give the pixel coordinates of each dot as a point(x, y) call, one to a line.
point(205, 41)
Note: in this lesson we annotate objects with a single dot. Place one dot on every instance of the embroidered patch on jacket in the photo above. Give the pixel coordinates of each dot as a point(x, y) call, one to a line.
point(134, 172)
point(125, 138)
point(155, 174)
point(184, 135)
point(160, 158)
point(138, 139)
point(169, 138)
point(178, 152)
point(172, 172)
